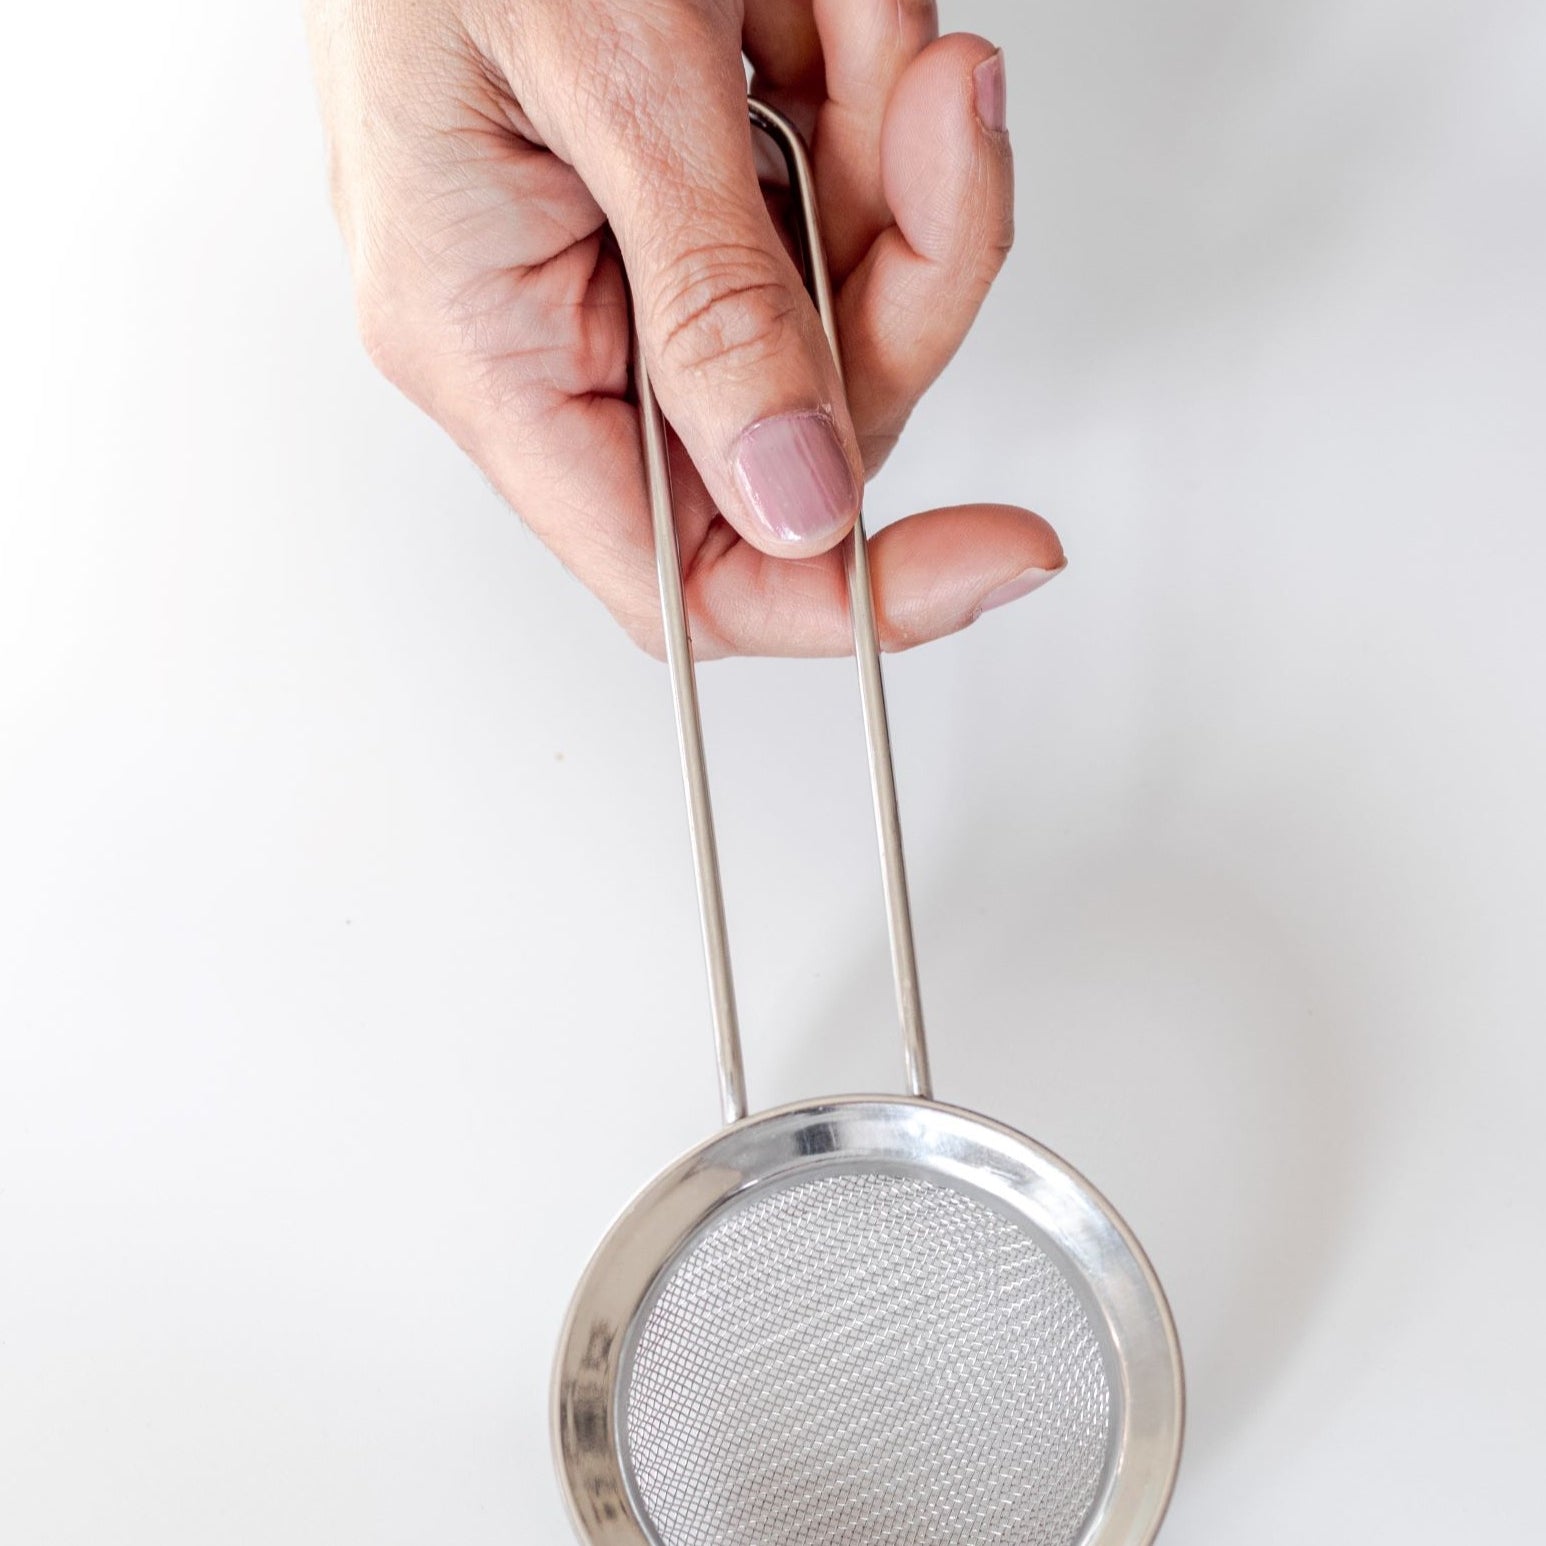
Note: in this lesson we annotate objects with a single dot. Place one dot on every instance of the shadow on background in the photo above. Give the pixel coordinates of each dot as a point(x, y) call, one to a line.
point(1176, 1010)
point(1167, 1032)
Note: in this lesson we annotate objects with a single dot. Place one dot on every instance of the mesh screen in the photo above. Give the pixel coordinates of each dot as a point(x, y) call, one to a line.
point(865, 1359)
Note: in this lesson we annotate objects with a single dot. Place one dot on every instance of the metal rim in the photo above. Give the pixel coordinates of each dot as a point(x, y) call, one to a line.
point(959, 1148)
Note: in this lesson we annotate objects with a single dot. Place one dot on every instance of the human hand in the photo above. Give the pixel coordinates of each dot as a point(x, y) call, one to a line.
point(496, 164)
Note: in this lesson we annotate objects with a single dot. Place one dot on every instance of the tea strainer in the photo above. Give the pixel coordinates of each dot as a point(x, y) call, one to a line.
point(865, 1321)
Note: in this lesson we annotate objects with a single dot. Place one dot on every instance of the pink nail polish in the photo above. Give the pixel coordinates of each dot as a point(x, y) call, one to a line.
point(1012, 590)
point(992, 94)
point(796, 478)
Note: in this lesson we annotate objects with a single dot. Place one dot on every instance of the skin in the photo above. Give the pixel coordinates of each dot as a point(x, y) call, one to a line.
point(497, 166)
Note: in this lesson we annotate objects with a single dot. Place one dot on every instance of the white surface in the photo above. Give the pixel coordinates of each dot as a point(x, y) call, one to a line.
point(348, 976)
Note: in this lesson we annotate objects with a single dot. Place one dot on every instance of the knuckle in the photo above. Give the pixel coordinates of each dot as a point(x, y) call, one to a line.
point(722, 305)
point(338, 188)
point(991, 244)
point(646, 632)
point(877, 441)
point(381, 336)
point(915, 16)
point(1001, 240)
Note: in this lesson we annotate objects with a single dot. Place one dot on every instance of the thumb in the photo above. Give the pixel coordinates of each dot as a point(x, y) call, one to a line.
point(734, 346)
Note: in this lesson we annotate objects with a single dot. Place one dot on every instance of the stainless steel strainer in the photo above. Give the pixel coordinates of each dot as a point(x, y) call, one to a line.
point(863, 1321)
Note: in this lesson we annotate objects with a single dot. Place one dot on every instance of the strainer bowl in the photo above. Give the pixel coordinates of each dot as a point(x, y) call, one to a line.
point(869, 1322)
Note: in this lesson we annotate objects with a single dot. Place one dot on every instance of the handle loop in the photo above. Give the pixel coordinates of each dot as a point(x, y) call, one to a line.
point(872, 695)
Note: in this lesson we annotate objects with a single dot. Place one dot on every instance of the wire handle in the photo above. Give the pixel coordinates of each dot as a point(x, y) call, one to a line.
point(872, 694)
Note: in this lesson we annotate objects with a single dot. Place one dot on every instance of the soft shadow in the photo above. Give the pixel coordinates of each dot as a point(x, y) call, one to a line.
point(1178, 1038)
point(1176, 1010)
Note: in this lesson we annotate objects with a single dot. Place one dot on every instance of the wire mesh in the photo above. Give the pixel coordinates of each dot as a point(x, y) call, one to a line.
point(866, 1360)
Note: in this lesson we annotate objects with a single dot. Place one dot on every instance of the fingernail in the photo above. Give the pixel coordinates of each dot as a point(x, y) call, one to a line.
point(1012, 590)
point(992, 94)
point(796, 478)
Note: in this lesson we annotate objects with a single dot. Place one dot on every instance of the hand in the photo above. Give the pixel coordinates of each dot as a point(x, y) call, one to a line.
point(496, 166)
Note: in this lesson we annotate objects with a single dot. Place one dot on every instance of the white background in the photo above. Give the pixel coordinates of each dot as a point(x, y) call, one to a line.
point(348, 967)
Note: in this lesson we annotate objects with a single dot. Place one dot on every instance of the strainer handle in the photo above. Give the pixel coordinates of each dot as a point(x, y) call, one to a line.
point(872, 695)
